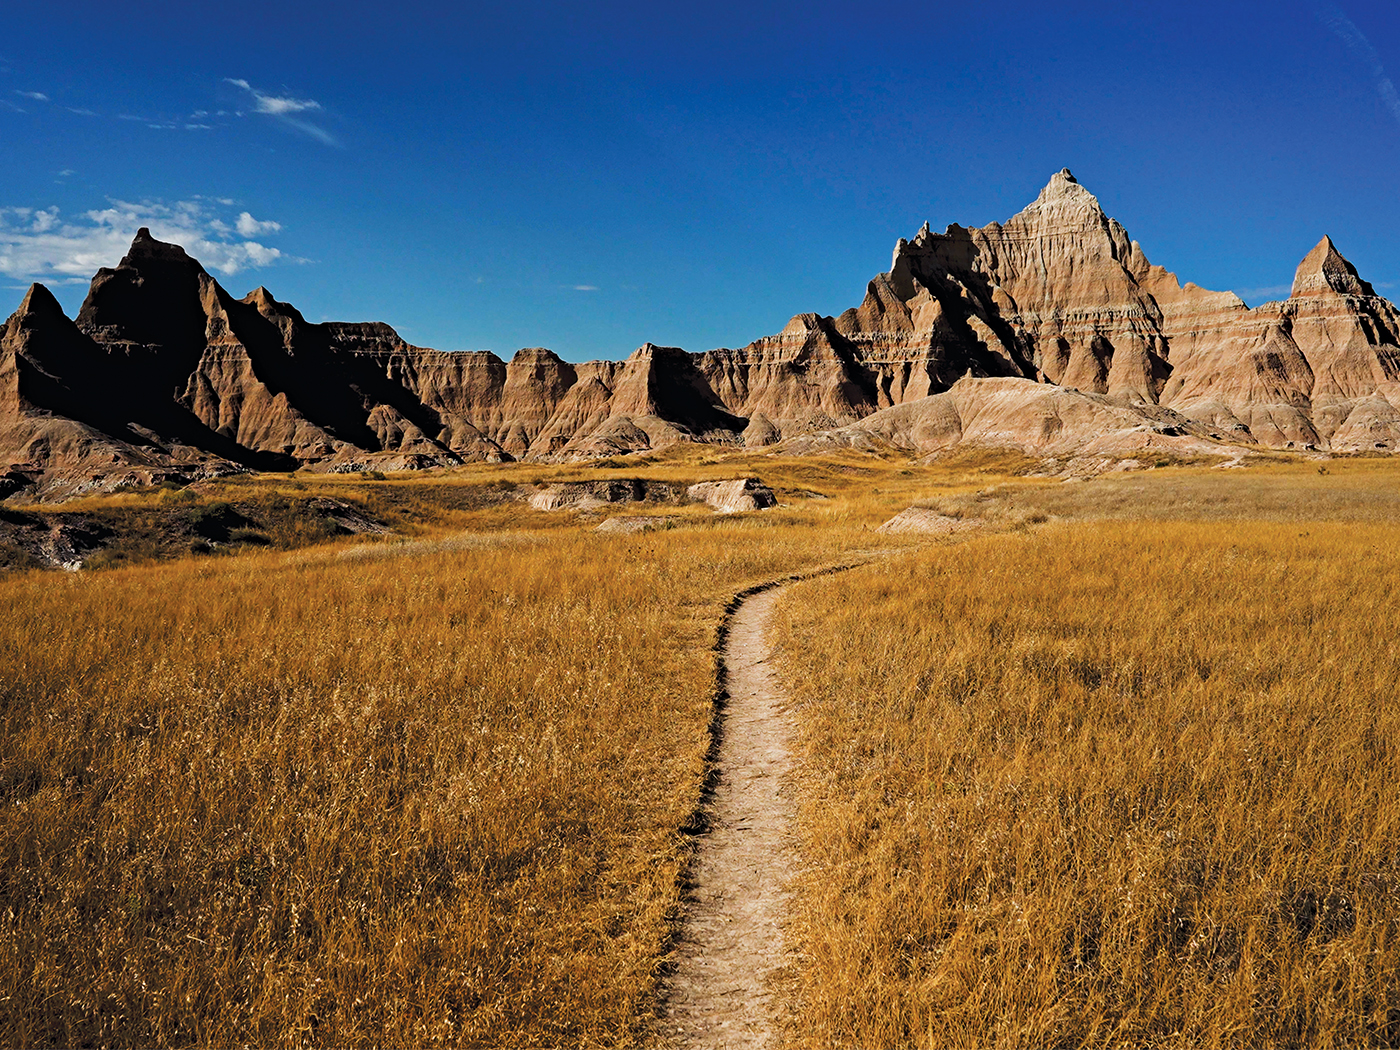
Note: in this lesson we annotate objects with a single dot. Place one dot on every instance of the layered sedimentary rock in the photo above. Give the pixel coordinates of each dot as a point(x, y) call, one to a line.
point(1048, 331)
point(1059, 294)
point(1039, 419)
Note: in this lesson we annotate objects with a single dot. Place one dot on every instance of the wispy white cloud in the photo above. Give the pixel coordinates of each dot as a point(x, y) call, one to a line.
point(191, 123)
point(247, 226)
point(1334, 19)
point(285, 110)
point(311, 130)
point(585, 287)
point(280, 107)
point(41, 244)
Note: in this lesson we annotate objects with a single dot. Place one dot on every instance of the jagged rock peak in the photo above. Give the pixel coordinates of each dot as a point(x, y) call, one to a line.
point(528, 355)
point(145, 248)
point(39, 301)
point(270, 307)
point(650, 351)
point(1061, 192)
point(801, 324)
point(1325, 271)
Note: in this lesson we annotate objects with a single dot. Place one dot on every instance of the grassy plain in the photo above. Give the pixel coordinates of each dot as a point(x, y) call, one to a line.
point(432, 789)
point(1126, 779)
point(374, 793)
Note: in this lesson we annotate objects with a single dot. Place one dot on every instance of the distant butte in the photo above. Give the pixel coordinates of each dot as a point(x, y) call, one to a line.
point(1050, 333)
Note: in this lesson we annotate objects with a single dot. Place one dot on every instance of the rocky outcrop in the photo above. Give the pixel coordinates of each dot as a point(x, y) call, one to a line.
point(725, 497)
point(1060, 295)
point(1317, 369)
point(1038, 419)
point(1050, 332)
point(591, 495)
point(631, 524)
point(930, 522)
point(734, 495)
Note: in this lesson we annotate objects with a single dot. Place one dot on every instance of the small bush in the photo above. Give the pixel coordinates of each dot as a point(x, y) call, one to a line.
point(14, 558)
point(174, 494)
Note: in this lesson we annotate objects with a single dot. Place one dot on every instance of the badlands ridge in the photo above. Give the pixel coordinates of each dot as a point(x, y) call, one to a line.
point(1050, 333)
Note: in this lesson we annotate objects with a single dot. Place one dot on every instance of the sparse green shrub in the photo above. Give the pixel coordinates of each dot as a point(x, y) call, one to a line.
point(178, 496)
point(211, 516)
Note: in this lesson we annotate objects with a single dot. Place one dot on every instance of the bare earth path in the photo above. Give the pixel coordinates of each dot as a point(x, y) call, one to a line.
point(731, 952)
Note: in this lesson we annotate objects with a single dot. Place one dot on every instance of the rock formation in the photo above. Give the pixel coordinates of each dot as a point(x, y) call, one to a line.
point(733, 496)
point(1059, 294)
point(931, 522)
point(1050, 332)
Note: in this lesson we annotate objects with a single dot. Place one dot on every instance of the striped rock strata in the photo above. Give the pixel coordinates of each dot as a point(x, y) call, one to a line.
point(1047, 332)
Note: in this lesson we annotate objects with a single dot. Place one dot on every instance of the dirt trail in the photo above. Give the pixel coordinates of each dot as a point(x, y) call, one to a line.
point(726, 988)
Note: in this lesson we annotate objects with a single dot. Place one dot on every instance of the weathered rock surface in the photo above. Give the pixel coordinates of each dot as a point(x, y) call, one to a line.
point(1035, 418)
point(630, 524)
point(733, 496)
point(726, 497)
point(931, 522)
point(1050, 332)
point(1060, 295)
point(68, 540)
point(601, 493)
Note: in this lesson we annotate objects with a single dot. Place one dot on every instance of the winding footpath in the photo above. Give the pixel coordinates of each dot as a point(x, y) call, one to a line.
point(730, 956)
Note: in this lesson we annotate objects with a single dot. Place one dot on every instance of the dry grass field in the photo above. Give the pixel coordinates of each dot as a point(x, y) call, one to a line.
point(1111, 782)
point(375, 793)
point(1090, 780)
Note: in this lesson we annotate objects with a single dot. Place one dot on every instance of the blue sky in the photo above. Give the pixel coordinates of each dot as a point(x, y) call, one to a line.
point(591, 176)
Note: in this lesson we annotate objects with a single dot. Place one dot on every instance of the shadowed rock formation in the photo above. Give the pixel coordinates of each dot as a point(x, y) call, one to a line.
point(1050, 332)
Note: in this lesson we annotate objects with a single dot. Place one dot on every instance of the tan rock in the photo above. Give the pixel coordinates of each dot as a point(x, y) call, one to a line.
point(630, 524)
point(733, 496)
point(924, 520)
point(1019, 414)
point(1051, 331)
point(760, 432)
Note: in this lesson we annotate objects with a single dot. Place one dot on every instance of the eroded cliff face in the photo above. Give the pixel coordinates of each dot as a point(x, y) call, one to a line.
point(1047, 331)
point(1060, 294)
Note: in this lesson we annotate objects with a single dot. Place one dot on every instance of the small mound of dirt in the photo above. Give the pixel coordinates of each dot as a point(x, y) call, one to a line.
point(922, 519)
point(629, 523)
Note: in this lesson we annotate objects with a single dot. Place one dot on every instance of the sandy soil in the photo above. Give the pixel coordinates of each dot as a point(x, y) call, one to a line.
point(727, 987)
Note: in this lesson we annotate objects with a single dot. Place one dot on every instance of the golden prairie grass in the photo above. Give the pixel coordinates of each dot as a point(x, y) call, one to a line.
point(1267, 490)
point(413, 797)
point(1107, 783)
point(414, 792)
